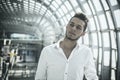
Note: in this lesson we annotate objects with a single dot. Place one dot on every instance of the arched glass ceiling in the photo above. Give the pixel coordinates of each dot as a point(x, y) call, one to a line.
point(46, 19)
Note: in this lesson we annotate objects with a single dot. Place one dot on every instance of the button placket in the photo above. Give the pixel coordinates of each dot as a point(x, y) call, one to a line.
point(66, 70)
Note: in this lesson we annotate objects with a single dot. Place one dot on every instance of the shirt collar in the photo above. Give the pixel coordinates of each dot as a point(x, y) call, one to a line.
point(57, 45)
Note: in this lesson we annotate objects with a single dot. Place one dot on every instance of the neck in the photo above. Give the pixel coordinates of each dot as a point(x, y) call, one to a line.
point(68, 44)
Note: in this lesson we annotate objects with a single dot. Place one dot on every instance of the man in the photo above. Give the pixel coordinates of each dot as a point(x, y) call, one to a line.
point(67, 59)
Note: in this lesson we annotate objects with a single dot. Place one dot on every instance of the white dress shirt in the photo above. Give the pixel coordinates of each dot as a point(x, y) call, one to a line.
point(53, 64)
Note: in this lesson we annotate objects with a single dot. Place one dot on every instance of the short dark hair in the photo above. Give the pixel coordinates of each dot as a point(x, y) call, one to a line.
point(83, 17)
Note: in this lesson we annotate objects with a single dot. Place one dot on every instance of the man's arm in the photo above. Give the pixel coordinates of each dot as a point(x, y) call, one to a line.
point(42, 67)
point(90, 70)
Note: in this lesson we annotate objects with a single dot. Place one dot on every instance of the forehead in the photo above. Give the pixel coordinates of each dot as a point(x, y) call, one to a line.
point(77, 21)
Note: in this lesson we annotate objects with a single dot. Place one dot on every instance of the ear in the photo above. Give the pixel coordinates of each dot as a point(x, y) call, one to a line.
point(83, 33)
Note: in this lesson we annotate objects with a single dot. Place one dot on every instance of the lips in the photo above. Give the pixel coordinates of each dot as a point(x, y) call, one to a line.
point(72, 33)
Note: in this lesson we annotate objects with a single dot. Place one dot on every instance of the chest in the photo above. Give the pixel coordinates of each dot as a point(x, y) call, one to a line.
point(67, 52)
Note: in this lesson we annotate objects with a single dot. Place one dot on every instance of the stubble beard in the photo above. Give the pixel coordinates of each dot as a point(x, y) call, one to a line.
point(69, 38)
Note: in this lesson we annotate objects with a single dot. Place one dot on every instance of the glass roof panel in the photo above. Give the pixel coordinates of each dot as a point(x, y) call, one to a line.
point(105, 5)
point(72, 12)
point(65, 20)
point(117, 17)
point(68, 5)
point(113, 39)
point(91, 7)
point(47, 2)
point(55, 4)
point(94, 39)
point(78, 9)
point(106, 39)
point(113, 2)
point(68, 16)
point(53, 7)
point(87, 9)
point(60, 11)
point(58, 2)
point(64, 9)
point(103, 21)
point(74, 3)
point(97, 24)
point(92, 24)
point(110, 20)
point(97, 5)
point(57, 13)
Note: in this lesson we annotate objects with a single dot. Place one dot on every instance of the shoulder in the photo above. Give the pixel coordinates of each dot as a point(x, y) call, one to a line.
point(85, 50)
point(84, 47)
point(48, 48)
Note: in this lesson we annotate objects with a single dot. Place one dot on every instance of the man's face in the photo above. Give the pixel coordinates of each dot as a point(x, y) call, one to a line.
point(75, 29)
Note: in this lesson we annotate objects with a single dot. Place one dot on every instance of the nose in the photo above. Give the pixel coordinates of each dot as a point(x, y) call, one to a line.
point(74, 28)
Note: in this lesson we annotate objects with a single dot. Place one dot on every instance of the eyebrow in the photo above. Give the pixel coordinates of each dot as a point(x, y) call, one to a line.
point(74, 23)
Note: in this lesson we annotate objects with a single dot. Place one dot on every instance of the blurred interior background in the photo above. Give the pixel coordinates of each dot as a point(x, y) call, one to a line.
point(26, 26)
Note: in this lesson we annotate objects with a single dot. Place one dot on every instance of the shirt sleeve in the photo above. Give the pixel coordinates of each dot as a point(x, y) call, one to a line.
point(41, 72)
point(90, 70)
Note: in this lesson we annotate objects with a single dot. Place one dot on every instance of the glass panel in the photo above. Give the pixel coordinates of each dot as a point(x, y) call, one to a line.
point(58, 14)
point(92, 24)
point(106, 39)
point(49, 13)
point(60, 11)
point(64, 9)
point(99, 69)
point(97, 24)
point(78, 9)
point(38, 5)
point(72, 13)
point(105, 4)
point(68, 5)
point(100, 42)
point(113, 59)
point(53, 18)
point(113, 37)
point(52, 7)
point(94, 39)
point(43, 21)
point(110, 20)
point(26, 6)
point(119, 40)
point(22, 36)
point(103, 21)
point(87, 9)
point(113, 75)
point(68, 17)
point(97, 5)
point(100, 55)
point(59, 2)
point(62, 21)
point(47, 2)
point(117, 17)
point(113, 2)
point(95, 55)
point(43, 9)
point(86, 39)
point(37, 8)
point(74, 3)
point(106, 58)
point(65, 20)
point(91, 6)
point(55, 4)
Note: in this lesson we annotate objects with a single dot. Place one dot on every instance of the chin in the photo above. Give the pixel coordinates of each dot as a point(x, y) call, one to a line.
point(72, 39)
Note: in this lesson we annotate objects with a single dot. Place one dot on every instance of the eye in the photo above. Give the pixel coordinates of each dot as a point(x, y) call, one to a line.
point(71, 24)
point(79, 27)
